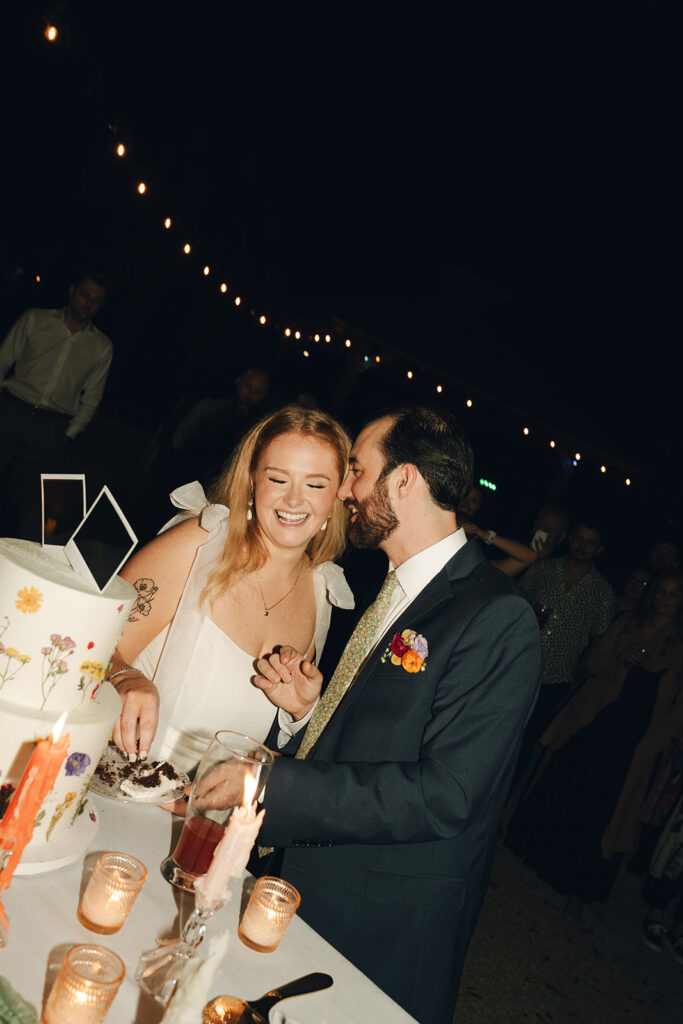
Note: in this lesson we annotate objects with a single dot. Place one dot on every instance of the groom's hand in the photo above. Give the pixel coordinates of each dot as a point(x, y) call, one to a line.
point(289, 681)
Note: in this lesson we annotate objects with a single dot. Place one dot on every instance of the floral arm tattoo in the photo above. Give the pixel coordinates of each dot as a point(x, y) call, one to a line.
point(146, 589)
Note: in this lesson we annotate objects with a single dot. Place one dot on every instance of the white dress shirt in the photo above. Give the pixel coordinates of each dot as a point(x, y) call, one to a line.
point(55, 369)
point(415, 573)
point(413, 576)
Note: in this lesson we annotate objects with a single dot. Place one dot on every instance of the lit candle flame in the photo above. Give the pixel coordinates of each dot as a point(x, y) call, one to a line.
point(250, 785)
point(59, 726)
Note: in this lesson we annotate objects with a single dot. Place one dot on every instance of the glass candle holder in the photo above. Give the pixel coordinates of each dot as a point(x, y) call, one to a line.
point(85, 987)
point(217, 789)
point(272, 906)
point(111, 892)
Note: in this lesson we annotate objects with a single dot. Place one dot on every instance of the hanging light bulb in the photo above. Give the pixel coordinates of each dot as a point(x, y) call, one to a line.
point(142, 188)
point(261, 319)
point(50, 33)
point(167, 223)
point(468, 403)
point(297, 335)
point(237, 300)
point(187, 248)
point(207, 270)
point(439, 389)
point(328, 338)
point(526, 431)
point(120, 149)
point(348, 343)
point(552, 444)
point(287, 332)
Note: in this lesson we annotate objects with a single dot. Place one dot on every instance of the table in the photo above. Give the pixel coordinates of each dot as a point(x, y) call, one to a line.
point(43, 924)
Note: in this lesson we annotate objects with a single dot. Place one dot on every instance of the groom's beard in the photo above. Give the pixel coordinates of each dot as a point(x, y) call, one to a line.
point(375, 520)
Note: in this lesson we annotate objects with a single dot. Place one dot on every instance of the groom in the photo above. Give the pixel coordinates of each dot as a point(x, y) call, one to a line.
point(388, 815)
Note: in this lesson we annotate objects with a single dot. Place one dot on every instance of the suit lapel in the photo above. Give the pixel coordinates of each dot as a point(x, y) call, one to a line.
point(436, 592)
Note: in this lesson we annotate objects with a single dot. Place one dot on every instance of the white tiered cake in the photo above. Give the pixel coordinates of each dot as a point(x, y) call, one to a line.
point(57, 635)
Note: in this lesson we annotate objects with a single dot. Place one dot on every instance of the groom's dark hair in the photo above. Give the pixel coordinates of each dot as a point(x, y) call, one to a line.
point(433, 441)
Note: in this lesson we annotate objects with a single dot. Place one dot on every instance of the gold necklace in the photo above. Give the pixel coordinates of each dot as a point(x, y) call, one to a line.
point(267, 608)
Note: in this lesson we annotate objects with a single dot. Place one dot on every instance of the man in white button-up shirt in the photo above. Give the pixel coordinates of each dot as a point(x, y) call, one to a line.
point(388, 826)
point(60, 362)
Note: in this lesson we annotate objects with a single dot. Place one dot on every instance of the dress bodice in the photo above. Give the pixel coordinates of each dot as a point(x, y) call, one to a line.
point(203, 677)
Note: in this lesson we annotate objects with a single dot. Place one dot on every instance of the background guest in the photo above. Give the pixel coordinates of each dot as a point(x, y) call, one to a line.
point(581, 813)
point(60, 361)
point(574, 603)
point(549, 530)
point(634, 590)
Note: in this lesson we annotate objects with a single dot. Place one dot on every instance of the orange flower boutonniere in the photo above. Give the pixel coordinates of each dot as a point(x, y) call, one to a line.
point(409, 650)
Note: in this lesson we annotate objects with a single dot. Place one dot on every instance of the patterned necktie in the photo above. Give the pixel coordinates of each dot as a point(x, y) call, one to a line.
point(355, 651)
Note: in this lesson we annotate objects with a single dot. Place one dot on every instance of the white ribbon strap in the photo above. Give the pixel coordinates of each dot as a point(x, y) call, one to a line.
point(172, 671)
point(191, 498)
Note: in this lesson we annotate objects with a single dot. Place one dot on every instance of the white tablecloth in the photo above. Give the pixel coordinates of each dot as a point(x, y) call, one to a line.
point(43, 924)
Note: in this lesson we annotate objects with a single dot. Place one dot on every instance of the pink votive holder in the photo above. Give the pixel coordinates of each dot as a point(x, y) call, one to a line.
point(111, 892)
point(272, 906)
point(85, 987)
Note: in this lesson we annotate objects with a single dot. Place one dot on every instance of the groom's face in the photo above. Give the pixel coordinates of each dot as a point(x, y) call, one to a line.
point(365, 492)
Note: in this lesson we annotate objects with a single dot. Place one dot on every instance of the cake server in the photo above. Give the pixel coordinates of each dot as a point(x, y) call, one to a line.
point(229, 1010)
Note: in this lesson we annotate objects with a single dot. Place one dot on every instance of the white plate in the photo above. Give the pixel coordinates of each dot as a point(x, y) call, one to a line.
point(65, 850)
point(114, 760)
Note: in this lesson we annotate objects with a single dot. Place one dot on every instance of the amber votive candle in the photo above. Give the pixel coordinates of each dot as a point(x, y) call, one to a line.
point(272, 906)
point(111, 891)
point(85, 987)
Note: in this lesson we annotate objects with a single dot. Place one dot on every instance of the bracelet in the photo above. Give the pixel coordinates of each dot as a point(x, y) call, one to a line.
point(122, 671)
point(491, 537)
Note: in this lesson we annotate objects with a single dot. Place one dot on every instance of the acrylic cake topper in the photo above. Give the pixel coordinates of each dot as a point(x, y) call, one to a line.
point(63, 504)
point(102, 542)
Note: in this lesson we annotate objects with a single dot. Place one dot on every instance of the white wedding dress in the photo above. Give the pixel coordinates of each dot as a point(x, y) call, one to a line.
point(203, 677)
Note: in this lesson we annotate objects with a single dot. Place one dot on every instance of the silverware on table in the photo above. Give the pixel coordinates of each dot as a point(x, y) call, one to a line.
point(229, 1010)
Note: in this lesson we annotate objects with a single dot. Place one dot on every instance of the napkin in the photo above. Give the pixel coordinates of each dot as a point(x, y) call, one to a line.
point(192, 991)
point(14, 1009)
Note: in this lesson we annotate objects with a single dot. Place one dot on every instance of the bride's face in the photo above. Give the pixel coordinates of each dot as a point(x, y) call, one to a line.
point(295, 485)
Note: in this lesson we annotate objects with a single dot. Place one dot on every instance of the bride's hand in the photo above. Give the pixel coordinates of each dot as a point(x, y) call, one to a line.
point(140, 712)
point(289, 681)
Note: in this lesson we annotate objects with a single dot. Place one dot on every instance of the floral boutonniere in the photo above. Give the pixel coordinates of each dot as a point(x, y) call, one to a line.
point(408, 649)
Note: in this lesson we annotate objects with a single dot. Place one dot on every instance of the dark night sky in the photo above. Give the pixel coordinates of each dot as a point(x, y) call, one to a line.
point(501, 197)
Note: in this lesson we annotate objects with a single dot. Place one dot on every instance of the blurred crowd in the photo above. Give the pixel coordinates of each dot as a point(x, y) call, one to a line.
point(600, 775)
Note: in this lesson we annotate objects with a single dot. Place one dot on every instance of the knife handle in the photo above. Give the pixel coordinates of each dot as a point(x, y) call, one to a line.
point(299, 987)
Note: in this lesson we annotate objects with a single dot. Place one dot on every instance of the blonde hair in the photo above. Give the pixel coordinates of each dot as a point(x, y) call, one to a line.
point(233, 489)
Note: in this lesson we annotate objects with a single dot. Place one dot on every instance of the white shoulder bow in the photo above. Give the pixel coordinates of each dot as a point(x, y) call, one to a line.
point(191, 498)
point(338, 591)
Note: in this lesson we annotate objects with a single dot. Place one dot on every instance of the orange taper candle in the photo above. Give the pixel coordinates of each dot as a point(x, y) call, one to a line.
point(16, 827)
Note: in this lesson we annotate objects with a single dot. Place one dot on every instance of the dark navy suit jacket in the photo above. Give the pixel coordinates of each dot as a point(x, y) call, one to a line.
point(388, 830)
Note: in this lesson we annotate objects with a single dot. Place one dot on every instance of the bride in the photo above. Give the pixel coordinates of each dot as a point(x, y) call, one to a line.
point(225, 581)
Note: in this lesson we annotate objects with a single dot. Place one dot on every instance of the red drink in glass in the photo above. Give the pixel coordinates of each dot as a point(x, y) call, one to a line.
point(197, 844)
point(228, 759)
